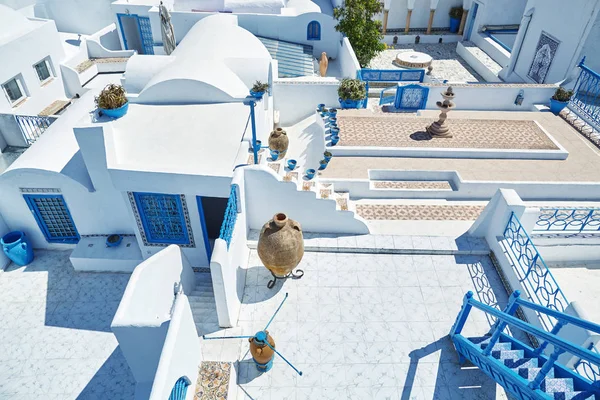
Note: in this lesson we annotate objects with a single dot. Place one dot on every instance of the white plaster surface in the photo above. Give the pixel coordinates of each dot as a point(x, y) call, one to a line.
point(364, 326)
point(580, 283)
point(56, 338)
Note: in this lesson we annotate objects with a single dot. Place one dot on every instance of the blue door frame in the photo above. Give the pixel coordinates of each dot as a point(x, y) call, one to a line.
point(144, 29)
point(204, 230)
point(53, 218)
point(472, 21)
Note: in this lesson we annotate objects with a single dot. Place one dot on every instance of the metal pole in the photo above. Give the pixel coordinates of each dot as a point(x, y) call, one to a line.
point(252, 104)
point(276, 311)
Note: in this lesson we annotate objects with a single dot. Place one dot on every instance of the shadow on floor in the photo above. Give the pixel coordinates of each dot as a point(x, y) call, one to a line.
point(113, 380)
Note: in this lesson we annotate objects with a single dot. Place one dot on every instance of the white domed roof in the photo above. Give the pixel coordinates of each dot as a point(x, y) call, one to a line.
point(12, 23)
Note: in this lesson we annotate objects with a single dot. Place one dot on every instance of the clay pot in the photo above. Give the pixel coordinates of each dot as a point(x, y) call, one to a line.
point(261, 353)
point(281, 245)
point(323, 64)
point(278, 140)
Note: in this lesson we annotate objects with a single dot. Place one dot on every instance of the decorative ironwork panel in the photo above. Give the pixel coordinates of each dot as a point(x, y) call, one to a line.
point(568, 220)
point(163, 219)
point(390, 76)
point(53, 218)
point(587, 369)
point(586, 100)
point(146, 33)
point(385, 98)
point(532, 271)
point(179, 389)
point(32, 126)
point(412, 75)
point(231, 212)
point(411, 97)
point(383, 75)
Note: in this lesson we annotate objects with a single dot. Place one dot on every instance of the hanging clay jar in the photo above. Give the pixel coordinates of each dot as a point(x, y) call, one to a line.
point(278, 140)
point(261, 353)
point(323, 64)
point(281, 245)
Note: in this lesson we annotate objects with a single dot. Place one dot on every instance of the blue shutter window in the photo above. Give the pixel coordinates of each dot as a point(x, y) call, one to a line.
point(162, 217)
point(313, 31)
point(53, 218)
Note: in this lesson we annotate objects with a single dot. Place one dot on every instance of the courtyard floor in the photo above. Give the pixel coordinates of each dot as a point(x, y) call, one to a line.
point(55, 327)
point(447, 64)
point(368, 326)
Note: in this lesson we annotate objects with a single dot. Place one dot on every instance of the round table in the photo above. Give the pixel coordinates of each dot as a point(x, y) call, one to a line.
point(413, 59)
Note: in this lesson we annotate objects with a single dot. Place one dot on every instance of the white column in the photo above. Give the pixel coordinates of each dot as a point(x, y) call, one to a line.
point(433, 6)
point(386, 11)
point(463, 20)
point(410, 5)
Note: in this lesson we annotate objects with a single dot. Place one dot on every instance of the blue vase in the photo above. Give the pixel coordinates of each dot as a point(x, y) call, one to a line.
point(454, 25)
point(17, 248)
point(114, 240)
point(557, 106)
point(115, 112)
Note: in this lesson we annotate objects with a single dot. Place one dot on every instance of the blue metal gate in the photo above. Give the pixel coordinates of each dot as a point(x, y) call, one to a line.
point(409, 97)
point(53, 217)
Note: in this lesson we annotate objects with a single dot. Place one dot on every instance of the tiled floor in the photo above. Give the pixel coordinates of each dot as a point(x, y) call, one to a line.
point(365, 326)
point(447, 64)
point(418, 212)
point(55, 329)
point(401, 131)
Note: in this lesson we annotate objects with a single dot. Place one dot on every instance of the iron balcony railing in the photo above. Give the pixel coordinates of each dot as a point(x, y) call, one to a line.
point(32, 126)
point(586, 100)
point(228, 225)
point(568, 220)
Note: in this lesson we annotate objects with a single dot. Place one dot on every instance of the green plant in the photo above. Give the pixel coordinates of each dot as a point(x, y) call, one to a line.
point(323, 162)
point(111, 97)
point(327, 154)
point(456, 12)
point(355, 20)
point(260, 87)
point(352, 89)
point(563, 94)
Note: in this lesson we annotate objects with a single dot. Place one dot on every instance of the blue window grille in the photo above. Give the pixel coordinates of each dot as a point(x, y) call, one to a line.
point(144, 28)
point(162, 217)
point(313, 32)
point(586, 100)
point(411, 97)
point(230, 217)
point(53, 217)
point(179, 389)
point(568, 220)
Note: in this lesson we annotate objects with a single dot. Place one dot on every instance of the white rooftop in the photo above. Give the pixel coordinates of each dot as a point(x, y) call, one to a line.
point(186, 139)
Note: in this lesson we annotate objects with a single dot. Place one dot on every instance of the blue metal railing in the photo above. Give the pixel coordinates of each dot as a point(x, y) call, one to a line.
point(586, 100)
point(32, 126)
point(230, 217)
point(494, 36)
point(391, 75)
point(386, 98)
point(506, 318)
point(568, 220)
point(532, 271)
point(179, 389)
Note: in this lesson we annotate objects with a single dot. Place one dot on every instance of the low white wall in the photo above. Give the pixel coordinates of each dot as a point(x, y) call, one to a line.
point(568, 250)
point(297, 99)
point(491, 48)
point(4, 261)
point(267, 195)
point(142, 319)
point(181, 354)
point(478, 65)
point(347, 60)
point(107, 37)
point(401, 38)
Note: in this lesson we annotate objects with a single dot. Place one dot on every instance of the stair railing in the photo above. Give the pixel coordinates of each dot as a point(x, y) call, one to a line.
point(505, 318)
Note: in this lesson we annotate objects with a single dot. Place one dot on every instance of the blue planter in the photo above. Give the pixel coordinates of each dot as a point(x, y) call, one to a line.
point(274, 155)
point(322, 166)
point(17, 248)
point(114, 240)
point(310, 173)
point(321, 107)
point(332, 112)
point(327, 158)
point(334, 130)
point(557, 106)
point(292, 164)
point(115, 112)
point(257, 95)
point(335, 140)
point(351, 103)
point(454, 25)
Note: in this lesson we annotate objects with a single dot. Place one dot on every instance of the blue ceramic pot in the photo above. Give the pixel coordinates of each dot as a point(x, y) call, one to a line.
point(327, 158)
point(274, 155)
point(454, 25)
point(557, 106)
point(351, 103)
point(322, 166)
point(310, 173)
point(334, 130)
point(114, 240)
point(115, 112)
point(257, 95)
point(321, 107)
point(335, 140)
point(17, 248)
point(292, 164)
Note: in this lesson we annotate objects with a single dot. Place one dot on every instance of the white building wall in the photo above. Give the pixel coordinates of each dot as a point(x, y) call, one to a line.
point(569, 25)
point(420, 14)
point(591, 48)
point(18, 58)
point(85, 17)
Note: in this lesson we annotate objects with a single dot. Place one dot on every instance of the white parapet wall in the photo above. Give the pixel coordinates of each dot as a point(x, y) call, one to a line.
point(296, 99)
point(347, 59)
point(143, 319)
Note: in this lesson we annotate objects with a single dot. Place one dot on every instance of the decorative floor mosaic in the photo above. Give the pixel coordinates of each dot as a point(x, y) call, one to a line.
point(418, 212)
point(393, 131)
point(275, 167)
point(428, 185)
point(291, 176)
point(343, 203)
point(213, 381)
point(251, 159)
point(307, 186)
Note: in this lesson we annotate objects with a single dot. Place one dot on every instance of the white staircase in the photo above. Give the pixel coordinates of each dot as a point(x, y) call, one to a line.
point(202, 302)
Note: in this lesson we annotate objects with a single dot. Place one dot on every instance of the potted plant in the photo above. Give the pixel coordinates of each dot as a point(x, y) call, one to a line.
point(259, 89)
point(327, 156)
point(114, 240)
point(455, 17)
point(310, 173)
point(560, 99)
point(112, 101)
point(322, 165)
point(352, 93)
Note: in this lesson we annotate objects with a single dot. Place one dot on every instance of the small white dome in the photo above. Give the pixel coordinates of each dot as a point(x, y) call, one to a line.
point(12, 23)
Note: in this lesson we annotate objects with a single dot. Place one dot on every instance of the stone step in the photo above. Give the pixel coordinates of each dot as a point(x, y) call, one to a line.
point(522, 363)
point(531, 373)
point(508, 354)
point(202, 293)
point(388, 244)
point(557, 385)
point(498, 346)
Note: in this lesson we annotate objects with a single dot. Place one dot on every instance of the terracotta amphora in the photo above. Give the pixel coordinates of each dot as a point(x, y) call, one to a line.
point(261, 353)
point(323, 64)
point(281, 245)
point(278, 140)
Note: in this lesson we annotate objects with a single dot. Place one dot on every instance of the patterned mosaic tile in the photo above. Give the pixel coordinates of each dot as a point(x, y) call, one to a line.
point(54, 107)
point(393, 131)
point(429, 185)
point(418, 212)
point(306, 186)
point(325, 193)
point(343, 203)
point(251, 159)
point(291, 176)
point(213, 381)
point(275, 167)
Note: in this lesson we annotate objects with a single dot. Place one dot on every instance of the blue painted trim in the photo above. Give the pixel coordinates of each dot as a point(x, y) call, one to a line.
point(255, 146)
point(499, 42)
point(313, 31)
point(230, 217)
point(145, 222)
point(400, 91)
point(389, 99)
point(472, 18)
point(122, 30)
point(203, 226)
point(30, 200)
point(568, 220)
